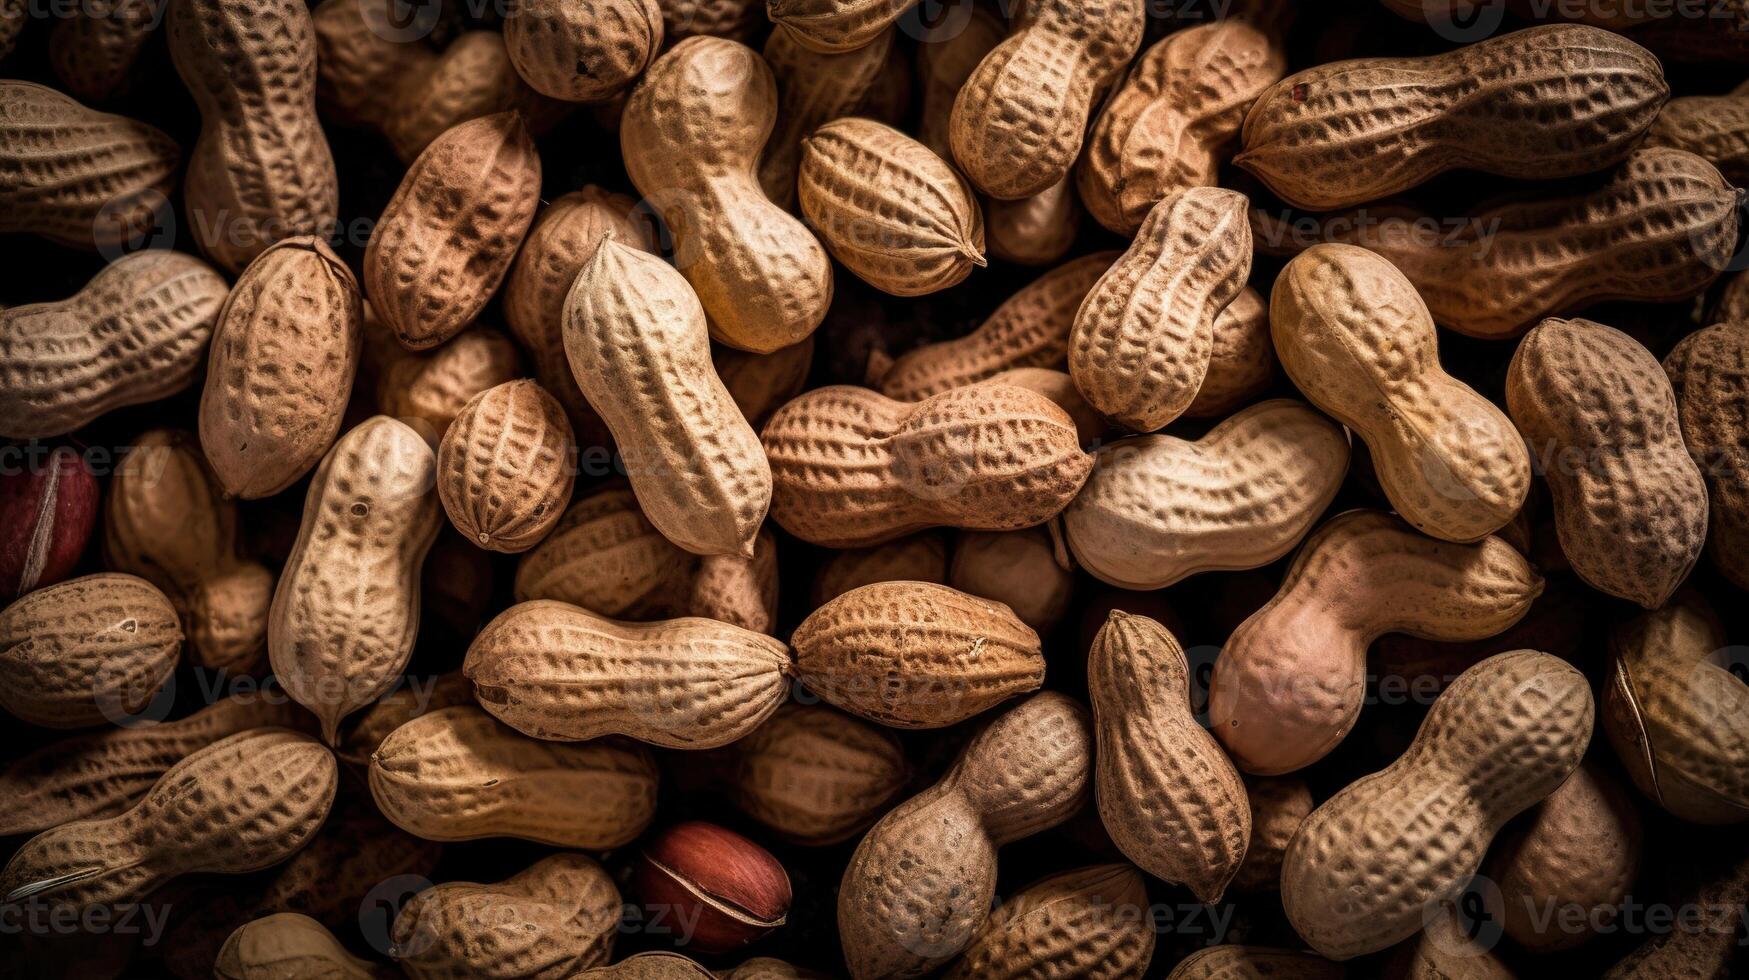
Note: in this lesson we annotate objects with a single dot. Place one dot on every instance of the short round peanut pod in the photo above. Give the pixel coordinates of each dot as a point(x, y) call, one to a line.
point(582, 52)
point(506, 466)
point(287, 944)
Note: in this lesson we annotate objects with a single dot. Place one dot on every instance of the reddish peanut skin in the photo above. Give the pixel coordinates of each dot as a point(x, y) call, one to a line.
point(731, 887)
point(47, 512)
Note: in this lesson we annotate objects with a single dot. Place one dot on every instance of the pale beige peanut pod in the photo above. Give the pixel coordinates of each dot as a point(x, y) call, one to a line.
point(606, 557)
point(1036, 230)
point(1677, 715)
point(167, 521)
point(891, 211)
point(1356, 338)
point(346, 610)
point(103, 773)
point(813, 88)
point(814, 776)
point(1577, 857)
point(1291, 679)
point(761, 383)
point(1168, 795)
point(95, 49)
point(283, 357)
point(851, 468)
point(506, 467)
point(1030, 329)
point(917, 558)
point(427, 389)
point(1144, 335)
point(1059, 388)
point(244, 803)
point(1086, 922)
point(1279, 804)
point(137, 332)
point(288, 944)
point(1349, 132)
point(1661, 228)
point(950, 49)
point(1242, 363)
point(1174, 119)
point(1019, 569)
point(83, 178)
point(834, 26)
point(1234, 962)
point(418, 696)
point(446, 239)
point(86, 651)
point(1028, 771)
point(1018, 121)
point(916, 655)
point(1159, 509)
point(563, 238)
point(582, 52)
point(559, 672)
point(1599, 414)
point(691, 137)
point(1707, 371)
point(636, 338)
point(548, 921)
point(460, 774)
point(261, 170)
point(1712, 126)
point(1505, 735)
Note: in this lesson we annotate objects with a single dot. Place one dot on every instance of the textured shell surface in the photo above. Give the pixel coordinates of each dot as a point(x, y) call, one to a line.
point(1085, 921)
point(287, 944)
point(1709, 375)
point(582, 53)
point(606, 557)
point(813, 88)
point(506, 466)
point(816, 776)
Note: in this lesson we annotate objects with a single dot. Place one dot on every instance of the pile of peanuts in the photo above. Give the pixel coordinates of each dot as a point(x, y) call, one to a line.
point(770, 489)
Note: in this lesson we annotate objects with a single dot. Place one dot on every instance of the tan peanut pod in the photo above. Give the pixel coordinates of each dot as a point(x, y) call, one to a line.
point(364, 62)
point(1349, 132)
point(167, 522)
point(550, 921)
point(102, 774)
point(1291, 679)
point(891, 211)
point(1175, 119)
point(814, 776)
point(1708, 370)
point(813, 88)
point(1676, 713)
point(917, 558)
point(1577, 858)
point(1242, 362)
point(1499, 740)
point(418, 696)
point(639, 349)
point(506, 467)
point(761, 383)
point(287, 944)
point(86, 651)
point(1661, 228)
point(1019, 569)
point(1597, 410)
point(916, 655)
point(1444, 949)
point(1144, 336)
point(261, 170)
point(346, 610)
point(951, 47)
point(1087, 922)
point(473, 78)
point(136, 333)
point(460, 774)
point(559, 672)
point(1707, 944)
point(1279, 804)
point(1019, 119)
point(428, 389)
point(73, 175)
point(1233, 962)
point(1028, 771)
point(835, 26)
point(1036, 230)
point(1354, 336)
point(582, 53)
point(736, 20)
point(1159, 509)
point(446, 239)
point(1169, 797)
point(1059, 388)
point(1715, 127)
point(606, 557)
point(691, 136)
point(563, 239)
point(851, 468)
point(283, 358)
point(1030, 329)
point(736, 590)
point(94, 49)
point(244, 803)
point(652, 966)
